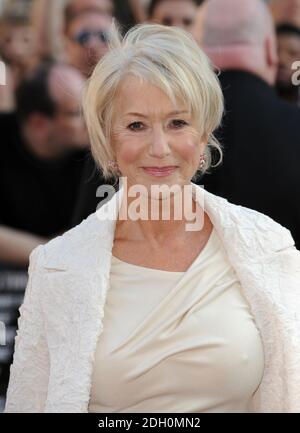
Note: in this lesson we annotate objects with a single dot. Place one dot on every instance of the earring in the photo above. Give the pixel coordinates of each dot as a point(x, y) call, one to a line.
point(202, 162)
point(114, 166)
point(112, 163)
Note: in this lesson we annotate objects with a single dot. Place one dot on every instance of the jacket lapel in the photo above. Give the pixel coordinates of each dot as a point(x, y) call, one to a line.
point(257, 249)
point(80, 283)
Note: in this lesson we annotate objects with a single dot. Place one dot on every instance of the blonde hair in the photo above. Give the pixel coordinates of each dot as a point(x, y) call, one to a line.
point(167, 57)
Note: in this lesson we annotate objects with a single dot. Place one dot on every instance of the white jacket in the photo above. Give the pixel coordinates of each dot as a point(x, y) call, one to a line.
point(61, 316)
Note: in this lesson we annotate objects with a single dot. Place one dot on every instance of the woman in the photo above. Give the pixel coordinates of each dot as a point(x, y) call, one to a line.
point(202, 311)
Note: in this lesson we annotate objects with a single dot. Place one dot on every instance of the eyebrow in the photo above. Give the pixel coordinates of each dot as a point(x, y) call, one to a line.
point(172, 113)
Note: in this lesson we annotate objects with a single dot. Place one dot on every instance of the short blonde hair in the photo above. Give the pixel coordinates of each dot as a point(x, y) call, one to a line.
point(167, 57)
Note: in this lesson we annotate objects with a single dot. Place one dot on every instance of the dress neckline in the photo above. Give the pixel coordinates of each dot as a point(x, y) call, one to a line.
point(151, 270)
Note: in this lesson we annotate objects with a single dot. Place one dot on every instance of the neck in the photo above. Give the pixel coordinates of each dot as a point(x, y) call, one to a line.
point(159, 218)
point(250, 59)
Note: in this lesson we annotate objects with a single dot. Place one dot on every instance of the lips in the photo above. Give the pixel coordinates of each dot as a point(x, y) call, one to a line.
point(160, 171)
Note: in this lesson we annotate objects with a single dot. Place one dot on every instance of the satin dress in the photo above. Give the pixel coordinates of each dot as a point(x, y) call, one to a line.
point(177, 341)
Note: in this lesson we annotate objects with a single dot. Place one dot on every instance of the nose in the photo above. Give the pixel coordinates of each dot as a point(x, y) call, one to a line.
point(93, 42)
point(159, 145)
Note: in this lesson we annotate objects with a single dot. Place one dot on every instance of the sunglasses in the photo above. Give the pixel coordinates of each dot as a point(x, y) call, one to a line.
point(83, 37)
point(168, 21)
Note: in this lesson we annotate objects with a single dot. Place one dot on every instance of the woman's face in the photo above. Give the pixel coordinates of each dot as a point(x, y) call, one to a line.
point(154, 141)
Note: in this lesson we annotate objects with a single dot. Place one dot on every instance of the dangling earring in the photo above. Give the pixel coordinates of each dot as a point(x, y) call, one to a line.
point(202, 161)
point(114, 166)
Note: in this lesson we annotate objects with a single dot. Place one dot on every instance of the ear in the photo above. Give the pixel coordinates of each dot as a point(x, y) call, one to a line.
point(271, 52)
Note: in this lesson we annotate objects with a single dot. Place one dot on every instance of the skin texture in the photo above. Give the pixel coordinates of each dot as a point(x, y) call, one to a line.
point(179, 13)
point(84, 58)
point(156, 138)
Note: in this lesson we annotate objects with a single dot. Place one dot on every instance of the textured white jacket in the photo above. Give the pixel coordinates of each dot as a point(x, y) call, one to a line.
point(61, 316)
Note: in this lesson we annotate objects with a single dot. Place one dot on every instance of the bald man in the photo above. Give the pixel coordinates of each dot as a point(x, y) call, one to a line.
point(43, 148)
point(260, 132)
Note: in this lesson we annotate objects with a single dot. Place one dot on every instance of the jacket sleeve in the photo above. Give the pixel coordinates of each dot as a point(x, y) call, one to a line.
point(290, 298)
point(29, 371)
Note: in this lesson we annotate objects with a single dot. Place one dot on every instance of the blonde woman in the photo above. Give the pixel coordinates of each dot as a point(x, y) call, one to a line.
point(132, 311)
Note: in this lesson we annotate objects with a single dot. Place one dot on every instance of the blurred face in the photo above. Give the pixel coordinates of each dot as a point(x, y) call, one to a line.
point(102, 6)
point(67, 127)
point(288, 53)
point(179, 13)
point(18, 44)
point(154, 141)
point(286, 11)
point(87, 41)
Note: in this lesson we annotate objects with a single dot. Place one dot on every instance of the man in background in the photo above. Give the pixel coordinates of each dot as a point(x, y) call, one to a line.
point(288, 39)
point(260, 132)
point(86, 38)
point(43, 149)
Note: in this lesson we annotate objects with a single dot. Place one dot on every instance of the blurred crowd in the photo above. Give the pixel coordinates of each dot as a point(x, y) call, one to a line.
point(48, 180)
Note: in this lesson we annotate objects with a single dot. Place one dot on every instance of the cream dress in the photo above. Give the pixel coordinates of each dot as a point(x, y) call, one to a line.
point(177, 341)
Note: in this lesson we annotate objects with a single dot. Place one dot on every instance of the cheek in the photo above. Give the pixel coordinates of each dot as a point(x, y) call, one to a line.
point(189, 148)
point(128, 154)
point(63, 127)
point(72, 126)
point(76, 52)
point(129, 147)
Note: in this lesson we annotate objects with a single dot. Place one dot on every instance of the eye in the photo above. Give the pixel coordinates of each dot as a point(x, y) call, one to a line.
point(178, 123)
point(136, 126)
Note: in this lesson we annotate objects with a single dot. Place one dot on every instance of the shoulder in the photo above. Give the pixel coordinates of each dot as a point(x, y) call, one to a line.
point(249, 225)
point(260, 222)
point(73, 245)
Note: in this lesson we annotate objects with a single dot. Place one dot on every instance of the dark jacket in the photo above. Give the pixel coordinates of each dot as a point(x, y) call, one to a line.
point(260, 135)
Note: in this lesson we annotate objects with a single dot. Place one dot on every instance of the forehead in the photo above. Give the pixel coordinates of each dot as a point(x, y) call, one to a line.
point(104, 6)
point(16, 29)
point(89, 21)
point(65, 86)
point(137, 96)
point(175, 8)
